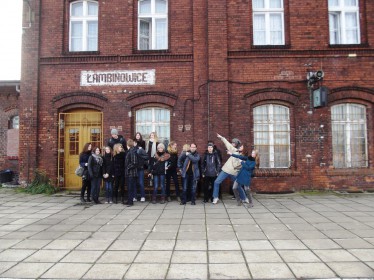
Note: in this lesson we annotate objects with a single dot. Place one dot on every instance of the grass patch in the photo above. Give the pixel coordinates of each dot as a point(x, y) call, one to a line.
point(40, 185)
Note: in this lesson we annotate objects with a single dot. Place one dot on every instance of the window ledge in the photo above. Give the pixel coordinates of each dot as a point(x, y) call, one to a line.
point(143, 52)
point(82, 53)
point(273, 47)
point(349, 46)
point(276, 172)
point(350, 171)
point(12, 157)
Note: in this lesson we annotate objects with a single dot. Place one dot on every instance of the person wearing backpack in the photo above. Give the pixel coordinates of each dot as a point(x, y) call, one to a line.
point(142, 162)
point(131, 167)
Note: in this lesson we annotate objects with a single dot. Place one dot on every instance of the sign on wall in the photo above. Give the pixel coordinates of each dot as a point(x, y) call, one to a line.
point(118, 77)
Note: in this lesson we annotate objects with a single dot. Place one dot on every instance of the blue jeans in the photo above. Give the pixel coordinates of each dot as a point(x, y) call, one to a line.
point(108, 190)
point(189, 181)
point(221, 177)
point(95, 187)
point(239, 187)
point(140, 183)
point(131, 187)
point(158, 180)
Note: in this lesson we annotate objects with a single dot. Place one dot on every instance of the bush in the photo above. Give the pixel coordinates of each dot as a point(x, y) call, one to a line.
point(40, 184)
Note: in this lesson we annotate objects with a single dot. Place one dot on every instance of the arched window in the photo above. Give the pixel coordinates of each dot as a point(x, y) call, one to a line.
point(349, 135)
point(154, 119)
point(83, 26)
point(272, 135)
point(153, 25)
point(14, 122)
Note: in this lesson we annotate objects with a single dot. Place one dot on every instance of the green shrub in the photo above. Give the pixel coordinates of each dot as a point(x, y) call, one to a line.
point(40, 184)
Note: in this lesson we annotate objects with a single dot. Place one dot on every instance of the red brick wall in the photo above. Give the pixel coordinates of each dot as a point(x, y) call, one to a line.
point(211, 78)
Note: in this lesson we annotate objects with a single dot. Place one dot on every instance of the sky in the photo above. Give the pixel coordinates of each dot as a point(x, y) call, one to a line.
point(10, 39)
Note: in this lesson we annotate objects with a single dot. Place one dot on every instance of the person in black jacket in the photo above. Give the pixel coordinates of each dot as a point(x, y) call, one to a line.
point(139, 140)
point(142, 163)
point(171, 171)
point(95, 168)
point(211, 166)
point(116, 139)
point(108, 173)
point(119, 156)
point(131, 164)
point(83, 161)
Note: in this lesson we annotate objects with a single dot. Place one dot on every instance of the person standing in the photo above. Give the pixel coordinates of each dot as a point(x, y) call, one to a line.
point(171, 170)
point(95, 169)
point(108, 173)
point(142, 163)
point(116, 139)
point(188, 163)
point(230, 168)
point(157, 170)
point(119, 157)
point(211, 166)
point(139, 140)
point(131, 164)
point(83, 162)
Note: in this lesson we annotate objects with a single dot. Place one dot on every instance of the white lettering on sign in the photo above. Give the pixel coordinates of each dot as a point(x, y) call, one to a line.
point(118, 77)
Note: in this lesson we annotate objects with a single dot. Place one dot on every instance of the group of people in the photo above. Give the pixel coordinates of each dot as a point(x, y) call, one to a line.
point(130, 160)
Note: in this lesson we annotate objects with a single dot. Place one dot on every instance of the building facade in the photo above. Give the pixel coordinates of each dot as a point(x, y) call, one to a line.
point(255, 70)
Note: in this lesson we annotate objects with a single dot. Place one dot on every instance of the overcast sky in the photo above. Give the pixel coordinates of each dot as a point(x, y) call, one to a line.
point(10, 39)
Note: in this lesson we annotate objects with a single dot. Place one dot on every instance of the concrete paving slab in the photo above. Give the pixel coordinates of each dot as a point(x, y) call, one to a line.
point(15, 255)
point(47, 256)
point(4, 266)
point(312, 270)
point(191, 245)
point(270, 271)
point(351, 269)
point(107, 271)
point(187, 271)
point(268, 256)
point(153, 257)
point(27, 270)
point(147, 271)
point(184, 257)
point(118, 257)
point(298, 256)
point(67, 271)
point(226, 257)
point(228, 271)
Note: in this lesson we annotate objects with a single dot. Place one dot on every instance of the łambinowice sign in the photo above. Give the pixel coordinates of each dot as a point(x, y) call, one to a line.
point(118, 77)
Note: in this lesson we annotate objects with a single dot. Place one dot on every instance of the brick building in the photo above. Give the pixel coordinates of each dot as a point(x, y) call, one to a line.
point(190, 69)
point(9, 128)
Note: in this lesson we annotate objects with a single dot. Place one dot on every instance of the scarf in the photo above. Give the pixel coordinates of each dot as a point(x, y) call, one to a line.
point(99, 159)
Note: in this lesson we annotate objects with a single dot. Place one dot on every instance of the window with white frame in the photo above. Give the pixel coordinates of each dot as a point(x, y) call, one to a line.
point(349, 135)
point(154, 120)
point(268, 22)
point(271, 130)
point(153, 25)
point(83, 35)
point(14, 122)
point(344, 22)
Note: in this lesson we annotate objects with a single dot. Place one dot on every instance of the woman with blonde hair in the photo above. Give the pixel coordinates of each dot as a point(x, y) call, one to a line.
point(171, 170)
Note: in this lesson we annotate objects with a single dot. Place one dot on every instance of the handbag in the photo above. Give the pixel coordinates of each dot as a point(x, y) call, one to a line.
point(79, 171)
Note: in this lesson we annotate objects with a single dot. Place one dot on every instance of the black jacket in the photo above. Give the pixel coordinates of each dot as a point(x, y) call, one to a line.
point(160, 159)
point(173, 162)
point(119, 140)
point(108, 167)
point(211, 164)
point(119, 164)
point(131, 163)
point(143, 158)
point(94, 168)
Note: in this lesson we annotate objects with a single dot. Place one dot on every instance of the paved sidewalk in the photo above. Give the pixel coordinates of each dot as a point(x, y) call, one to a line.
point(282, 237)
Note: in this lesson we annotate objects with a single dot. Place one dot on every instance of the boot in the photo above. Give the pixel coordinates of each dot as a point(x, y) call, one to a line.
point(237, 196)
point(115, 199)
point(250, 199)
point(153, 199)
point(83, 200)
point(162, 200)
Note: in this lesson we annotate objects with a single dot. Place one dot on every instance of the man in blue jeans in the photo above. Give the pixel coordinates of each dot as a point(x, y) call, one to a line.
point(230, 168)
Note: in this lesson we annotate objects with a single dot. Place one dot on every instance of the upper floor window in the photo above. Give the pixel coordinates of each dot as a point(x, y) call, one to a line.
point(268, 22)
point(153, 25)
point(83, 35)
point(272, 135)
point(344, 22)
point(14, 122)
point(154, 119)
point(349, 135)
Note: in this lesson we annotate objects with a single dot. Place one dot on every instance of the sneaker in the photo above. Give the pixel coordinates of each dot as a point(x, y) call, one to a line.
point(168, 199)
point(142, 199)
point(246, 201)
point(134, 199)
point(178, 199)
point(106, 202)
point(215, 200)
point(250, 205)
point(233, 197)
point(110, 202)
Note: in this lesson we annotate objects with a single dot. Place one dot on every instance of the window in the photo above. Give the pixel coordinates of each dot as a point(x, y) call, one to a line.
point(268, 22)
point(153, 25)
point(272, 135)
point(349, 136)
point(83, 26)
point(344, 22)
point(154, 119)
point(14, 122)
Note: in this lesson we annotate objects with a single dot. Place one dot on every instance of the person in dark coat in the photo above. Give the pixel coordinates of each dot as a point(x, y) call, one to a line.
point(211, 166)
point(171, 170)
point(139, 140)
point(119, 157)
point(83, 162)
point(188, 163)
point(157, 170)
point(95, 169)
point(116, 139)
point(131, 167)
point(108, 173)
point(142, 163)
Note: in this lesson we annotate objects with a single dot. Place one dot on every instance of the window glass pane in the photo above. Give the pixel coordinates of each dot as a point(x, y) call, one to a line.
point(144, 38)
point(15, 122)
point(256, 4)
point(154, 119)
point(350, 3)
point(275, 3)
point(76, 36)
point(145, 7)
point(334, 28)
point(351, 28)
point(77, 9)
point(276, 29)
point(259, 33)
point(93, 9)
point(161, 6)
point(92, 36)
point(161, 34)
point(333, 3)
